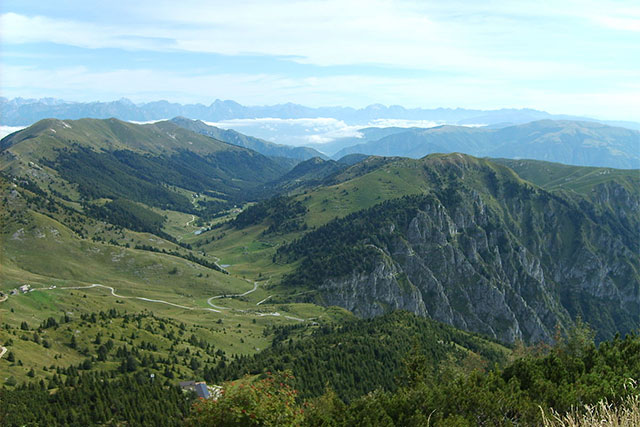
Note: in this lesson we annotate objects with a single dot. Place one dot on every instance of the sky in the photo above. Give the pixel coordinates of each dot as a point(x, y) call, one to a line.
point(565, 57)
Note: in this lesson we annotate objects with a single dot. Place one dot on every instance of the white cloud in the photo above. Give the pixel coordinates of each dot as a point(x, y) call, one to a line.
point(147, 122)
point(311, 32)
point(619, 23)
point(317, 123)
point(7, 130)
point(399, 123)
point(18, 29)
point(293, 131)
point(312, 130)
point(404, 34)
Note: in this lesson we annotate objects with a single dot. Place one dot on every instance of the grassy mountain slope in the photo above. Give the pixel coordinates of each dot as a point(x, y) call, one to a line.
point(569, 142)
point(466, 241)
point(44, 243)
point(558, 176)
point(111, 135)
point(161, 164)
point(609, 192)
point(463, 240)
point(309, 173)
point(248, 250)
point(62, 254)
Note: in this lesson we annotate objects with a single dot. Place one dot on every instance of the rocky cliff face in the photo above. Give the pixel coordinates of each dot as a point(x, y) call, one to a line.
point(452, 270)
point(514, 264)
point(383, 290)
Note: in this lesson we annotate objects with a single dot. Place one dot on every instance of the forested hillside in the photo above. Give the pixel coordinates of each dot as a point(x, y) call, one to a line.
point(360, 356)
point(574, 382)
point(528, 390)
point(96, 399)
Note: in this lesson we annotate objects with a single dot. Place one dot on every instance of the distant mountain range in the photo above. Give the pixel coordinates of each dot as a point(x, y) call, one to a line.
point(569, 142)
point(23, 112)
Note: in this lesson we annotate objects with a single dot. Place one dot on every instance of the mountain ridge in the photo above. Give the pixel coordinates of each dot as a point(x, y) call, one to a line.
point(156, 164)
point(20, 112)
point(568, 142)
point(475, 231)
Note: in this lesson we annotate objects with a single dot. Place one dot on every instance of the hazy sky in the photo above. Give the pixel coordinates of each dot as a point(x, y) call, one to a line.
point(574, 57)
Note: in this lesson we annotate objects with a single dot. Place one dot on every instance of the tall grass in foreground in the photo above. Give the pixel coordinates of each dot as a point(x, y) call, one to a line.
point(625, 414)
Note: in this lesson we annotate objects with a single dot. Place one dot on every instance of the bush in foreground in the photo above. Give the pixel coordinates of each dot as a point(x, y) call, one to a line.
point(270, 401)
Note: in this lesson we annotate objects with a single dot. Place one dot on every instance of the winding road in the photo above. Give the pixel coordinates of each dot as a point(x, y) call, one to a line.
point(113, 292)
point(3, 350)
point(255, 286)
point(216, 260)
point(215, 308)
point(257, 313)
point(258, 303)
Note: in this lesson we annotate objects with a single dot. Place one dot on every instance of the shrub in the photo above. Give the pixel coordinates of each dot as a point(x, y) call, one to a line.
point(270, 401)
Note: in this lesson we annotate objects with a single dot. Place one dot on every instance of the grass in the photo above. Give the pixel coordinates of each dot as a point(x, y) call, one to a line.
point(624, 414)
point(130, 271)
point(231, 334)
point(390, 181)
point(39, 250)
point(581, 179)
point(234, 332)
point(238, 330)
point(249, 252)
